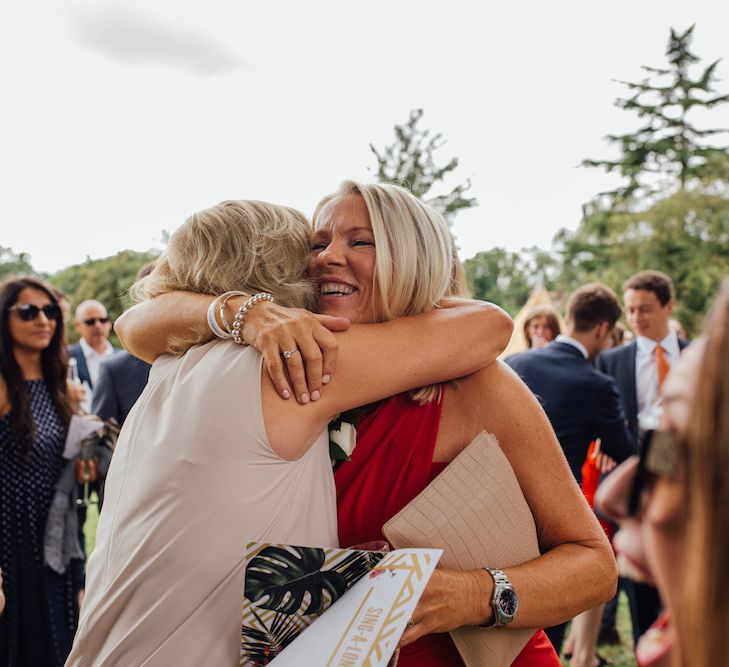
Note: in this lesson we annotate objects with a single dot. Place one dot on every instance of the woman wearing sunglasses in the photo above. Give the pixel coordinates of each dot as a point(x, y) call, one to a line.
point(672, 505)
point(40, 617)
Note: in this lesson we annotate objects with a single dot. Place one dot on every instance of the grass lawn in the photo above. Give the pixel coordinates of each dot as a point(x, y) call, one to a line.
point(620, 656)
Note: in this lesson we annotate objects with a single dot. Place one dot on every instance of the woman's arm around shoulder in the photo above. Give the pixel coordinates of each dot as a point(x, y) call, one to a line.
point(380, 360)
point(169, 323)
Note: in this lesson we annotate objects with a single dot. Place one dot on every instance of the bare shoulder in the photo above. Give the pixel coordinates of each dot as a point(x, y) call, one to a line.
point(493, 399)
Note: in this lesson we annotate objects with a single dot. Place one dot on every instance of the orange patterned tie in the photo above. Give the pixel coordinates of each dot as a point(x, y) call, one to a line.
point(662, 364)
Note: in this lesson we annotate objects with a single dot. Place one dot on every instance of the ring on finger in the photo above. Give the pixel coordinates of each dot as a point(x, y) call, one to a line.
point(288, 353)
point(411, 623)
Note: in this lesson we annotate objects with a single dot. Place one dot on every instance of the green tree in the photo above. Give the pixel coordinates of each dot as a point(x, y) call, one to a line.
point(106, 280)
point(410, 161)
point(667, 145)
point(500, 276)
point(673, 213)
point(12, 263)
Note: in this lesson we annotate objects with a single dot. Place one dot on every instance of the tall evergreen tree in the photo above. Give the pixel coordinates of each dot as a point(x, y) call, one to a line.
point(667, 149)
point(673, 213)
point(410, 162)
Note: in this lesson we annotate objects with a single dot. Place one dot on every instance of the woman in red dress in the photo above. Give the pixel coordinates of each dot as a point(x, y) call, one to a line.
point(378, 253)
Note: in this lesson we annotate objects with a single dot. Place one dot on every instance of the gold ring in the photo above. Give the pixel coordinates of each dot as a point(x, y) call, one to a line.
point(411, 623)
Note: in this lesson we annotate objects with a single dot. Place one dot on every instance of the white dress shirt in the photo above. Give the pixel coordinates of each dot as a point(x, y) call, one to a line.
point(574, 343)
point(93, 358)
point(646, 372)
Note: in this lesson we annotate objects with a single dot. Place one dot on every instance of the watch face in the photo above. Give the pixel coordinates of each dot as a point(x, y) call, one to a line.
point(508, 602)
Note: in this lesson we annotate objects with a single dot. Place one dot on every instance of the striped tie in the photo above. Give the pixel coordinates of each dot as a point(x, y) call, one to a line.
point(663, 365)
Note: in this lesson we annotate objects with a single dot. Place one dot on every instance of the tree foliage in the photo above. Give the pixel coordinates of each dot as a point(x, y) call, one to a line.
point(667, 145)
point(410, 162)
point(499, 276)
point(106, 280)
point(14, 263)
point(673, 213)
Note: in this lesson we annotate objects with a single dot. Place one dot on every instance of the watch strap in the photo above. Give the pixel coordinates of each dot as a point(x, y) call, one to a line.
point(501, 582)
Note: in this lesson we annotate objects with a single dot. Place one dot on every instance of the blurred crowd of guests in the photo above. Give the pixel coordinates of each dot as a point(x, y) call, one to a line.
point(43, 383)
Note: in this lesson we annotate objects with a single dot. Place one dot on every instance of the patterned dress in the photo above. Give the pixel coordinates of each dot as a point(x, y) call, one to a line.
point(40, 615)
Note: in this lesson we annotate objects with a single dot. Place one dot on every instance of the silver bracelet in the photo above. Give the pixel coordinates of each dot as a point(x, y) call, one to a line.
point(223, 303)
point(212, 323)
point(238, 320)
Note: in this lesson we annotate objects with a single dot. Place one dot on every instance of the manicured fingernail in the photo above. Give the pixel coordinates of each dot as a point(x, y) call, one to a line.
point(325, 378)
point(315, 395)
point(285, 393)
point(304, 398)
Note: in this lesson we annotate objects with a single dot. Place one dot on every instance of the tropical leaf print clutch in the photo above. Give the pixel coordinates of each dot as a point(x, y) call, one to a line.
point(287, 588)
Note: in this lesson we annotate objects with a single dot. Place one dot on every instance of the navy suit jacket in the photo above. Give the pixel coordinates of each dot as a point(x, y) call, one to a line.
point(77, 353)
point(619, 363)
point(122, 378)
point(582, 404)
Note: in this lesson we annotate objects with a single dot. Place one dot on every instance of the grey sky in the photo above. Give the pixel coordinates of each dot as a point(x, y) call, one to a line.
point(120, 119)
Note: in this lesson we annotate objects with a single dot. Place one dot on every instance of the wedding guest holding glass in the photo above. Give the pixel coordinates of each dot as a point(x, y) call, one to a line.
point(40, 617)
point(541, 326)
point(373, 255)
point(210, 458)
point(671, 505)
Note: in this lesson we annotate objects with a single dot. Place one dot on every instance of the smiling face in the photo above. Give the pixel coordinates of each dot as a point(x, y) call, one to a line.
point(343, 260)
point(646, 316)
point(35, 335)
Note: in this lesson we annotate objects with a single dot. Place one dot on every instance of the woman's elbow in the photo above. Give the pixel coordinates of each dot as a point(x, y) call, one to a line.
point(606, 572)
point(120, 328)
point(497, 329)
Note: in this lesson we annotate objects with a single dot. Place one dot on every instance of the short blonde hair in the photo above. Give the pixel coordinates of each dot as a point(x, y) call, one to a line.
point(415, 265)
point(415, 249)
point(251, 246)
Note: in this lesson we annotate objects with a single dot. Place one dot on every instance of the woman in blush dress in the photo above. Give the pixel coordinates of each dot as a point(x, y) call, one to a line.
point(405, 441)
point(211, 459)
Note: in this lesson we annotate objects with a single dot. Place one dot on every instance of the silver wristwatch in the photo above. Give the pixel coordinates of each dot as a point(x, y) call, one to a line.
point(504, 601)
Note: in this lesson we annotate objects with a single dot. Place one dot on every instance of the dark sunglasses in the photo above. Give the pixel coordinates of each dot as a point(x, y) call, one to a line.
point(28, 312)
point(93, 320)
point(660, 458)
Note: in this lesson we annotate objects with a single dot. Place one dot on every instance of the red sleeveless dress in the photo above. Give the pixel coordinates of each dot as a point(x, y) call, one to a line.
point(393, 463)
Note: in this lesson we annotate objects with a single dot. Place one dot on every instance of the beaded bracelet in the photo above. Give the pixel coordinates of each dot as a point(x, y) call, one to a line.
point(212, 323)
point(238, 320)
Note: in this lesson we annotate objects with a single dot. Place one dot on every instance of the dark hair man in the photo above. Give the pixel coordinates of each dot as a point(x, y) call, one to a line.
point(582, 404)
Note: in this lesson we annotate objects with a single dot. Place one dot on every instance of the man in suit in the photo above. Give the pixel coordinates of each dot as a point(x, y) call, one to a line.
point(122, 378)
point(639, 368)
point(92, 322)
point(582, 404)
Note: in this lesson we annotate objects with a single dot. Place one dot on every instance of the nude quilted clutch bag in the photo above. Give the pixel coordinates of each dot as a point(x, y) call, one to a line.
point(476, 512)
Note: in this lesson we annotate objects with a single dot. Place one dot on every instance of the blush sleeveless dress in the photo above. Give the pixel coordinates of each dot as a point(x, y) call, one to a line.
point(391, 464)
point(192, 482)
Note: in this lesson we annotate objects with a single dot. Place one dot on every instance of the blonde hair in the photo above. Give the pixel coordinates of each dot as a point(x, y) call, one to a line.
point(414, 265)
point(252, 246)
point(703, 616)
